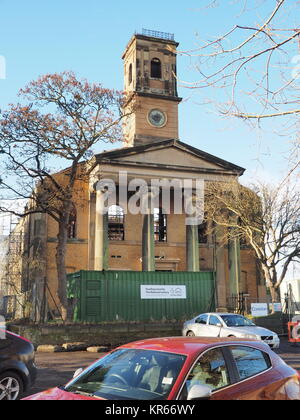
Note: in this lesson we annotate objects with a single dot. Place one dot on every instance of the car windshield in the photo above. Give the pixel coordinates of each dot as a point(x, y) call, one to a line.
point(237, 321)
point(130, 374)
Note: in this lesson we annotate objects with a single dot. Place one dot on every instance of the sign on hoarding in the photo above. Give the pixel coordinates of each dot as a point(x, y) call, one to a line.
point(259, 309)
point(277, 307)
point(162, 292)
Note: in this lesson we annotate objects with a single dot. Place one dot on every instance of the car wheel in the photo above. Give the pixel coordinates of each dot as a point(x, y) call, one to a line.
point(190, 334)
point(11, 386)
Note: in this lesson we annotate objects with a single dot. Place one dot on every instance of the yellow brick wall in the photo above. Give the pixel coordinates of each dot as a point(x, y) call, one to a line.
point(77, 257)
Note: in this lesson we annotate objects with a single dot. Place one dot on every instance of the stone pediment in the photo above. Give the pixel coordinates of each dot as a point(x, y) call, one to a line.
point(170, 154)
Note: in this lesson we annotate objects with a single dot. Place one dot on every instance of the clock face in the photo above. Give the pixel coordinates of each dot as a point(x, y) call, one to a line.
point(157, 118)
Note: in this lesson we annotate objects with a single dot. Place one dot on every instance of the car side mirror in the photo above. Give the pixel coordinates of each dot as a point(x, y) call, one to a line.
point(199, 392)
point(219, 325)
point(77, 373)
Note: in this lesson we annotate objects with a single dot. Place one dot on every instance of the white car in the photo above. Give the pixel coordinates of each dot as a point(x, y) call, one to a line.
point(229, 325)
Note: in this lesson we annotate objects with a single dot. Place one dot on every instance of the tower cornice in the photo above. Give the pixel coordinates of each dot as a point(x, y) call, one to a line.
point(149, 38)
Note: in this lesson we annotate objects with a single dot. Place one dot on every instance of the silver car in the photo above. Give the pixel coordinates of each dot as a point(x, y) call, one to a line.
point(228, 325)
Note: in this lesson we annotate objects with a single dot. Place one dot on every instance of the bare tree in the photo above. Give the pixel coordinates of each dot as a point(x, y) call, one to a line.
point(62, 120)
point(254, 66)
point(266, 217)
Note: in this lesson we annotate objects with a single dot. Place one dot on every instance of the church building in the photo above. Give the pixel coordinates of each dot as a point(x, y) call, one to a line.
point(160, 240)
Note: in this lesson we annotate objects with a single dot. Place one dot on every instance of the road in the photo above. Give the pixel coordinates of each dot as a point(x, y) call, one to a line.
point(58, 368)
point(290, 353)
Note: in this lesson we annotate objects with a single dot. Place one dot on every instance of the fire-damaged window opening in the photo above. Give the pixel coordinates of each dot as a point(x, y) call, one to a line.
point(72, 227)
point(160, 225)
point(116, 231)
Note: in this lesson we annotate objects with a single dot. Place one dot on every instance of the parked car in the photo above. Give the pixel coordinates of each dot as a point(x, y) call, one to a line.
point(183, 368)
point(17, 366)
point(228, 325)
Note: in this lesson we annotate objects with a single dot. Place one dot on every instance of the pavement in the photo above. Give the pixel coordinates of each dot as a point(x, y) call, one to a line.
point(56, 369)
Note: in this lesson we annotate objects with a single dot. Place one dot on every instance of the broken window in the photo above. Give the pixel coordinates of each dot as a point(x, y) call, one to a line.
point(116, 231)
point(160, 225)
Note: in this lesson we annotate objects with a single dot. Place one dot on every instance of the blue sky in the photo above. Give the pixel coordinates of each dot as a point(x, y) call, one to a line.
point(38, 37)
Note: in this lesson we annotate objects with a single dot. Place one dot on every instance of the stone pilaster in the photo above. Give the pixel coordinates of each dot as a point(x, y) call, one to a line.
point(101, 234)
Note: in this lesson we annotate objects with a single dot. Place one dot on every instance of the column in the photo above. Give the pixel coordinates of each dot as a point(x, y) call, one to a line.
point(148, 242)
point(101, 234)
point(234, 261)
point(192, 234)
point(221, 269)
point(192, 248)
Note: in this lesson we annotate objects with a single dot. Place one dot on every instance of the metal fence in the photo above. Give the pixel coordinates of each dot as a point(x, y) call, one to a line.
point(158, 34)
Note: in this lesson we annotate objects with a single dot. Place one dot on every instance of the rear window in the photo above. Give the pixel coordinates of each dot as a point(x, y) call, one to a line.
point(250, 361)
point(202, 319)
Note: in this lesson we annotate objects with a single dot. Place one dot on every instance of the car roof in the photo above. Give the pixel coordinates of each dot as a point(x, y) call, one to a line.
point(186, 345)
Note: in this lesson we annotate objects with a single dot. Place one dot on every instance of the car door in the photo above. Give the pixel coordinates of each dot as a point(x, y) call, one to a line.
point(200, 326)
point(210, 369)
point(256, 379)
point(214, 326)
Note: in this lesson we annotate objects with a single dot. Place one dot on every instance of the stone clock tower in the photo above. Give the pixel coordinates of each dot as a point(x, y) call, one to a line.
point(150, 82)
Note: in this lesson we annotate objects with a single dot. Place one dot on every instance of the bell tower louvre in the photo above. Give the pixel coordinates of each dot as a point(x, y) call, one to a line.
point(150, 69)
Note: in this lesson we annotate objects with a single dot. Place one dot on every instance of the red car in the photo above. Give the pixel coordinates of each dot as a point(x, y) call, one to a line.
point(184, 368)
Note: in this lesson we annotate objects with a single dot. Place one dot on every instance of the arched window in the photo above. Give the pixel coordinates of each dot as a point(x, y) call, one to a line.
point(72, 227)
point(160, 225)
point(116, 231)
point(130, 74)
point(156, 68)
